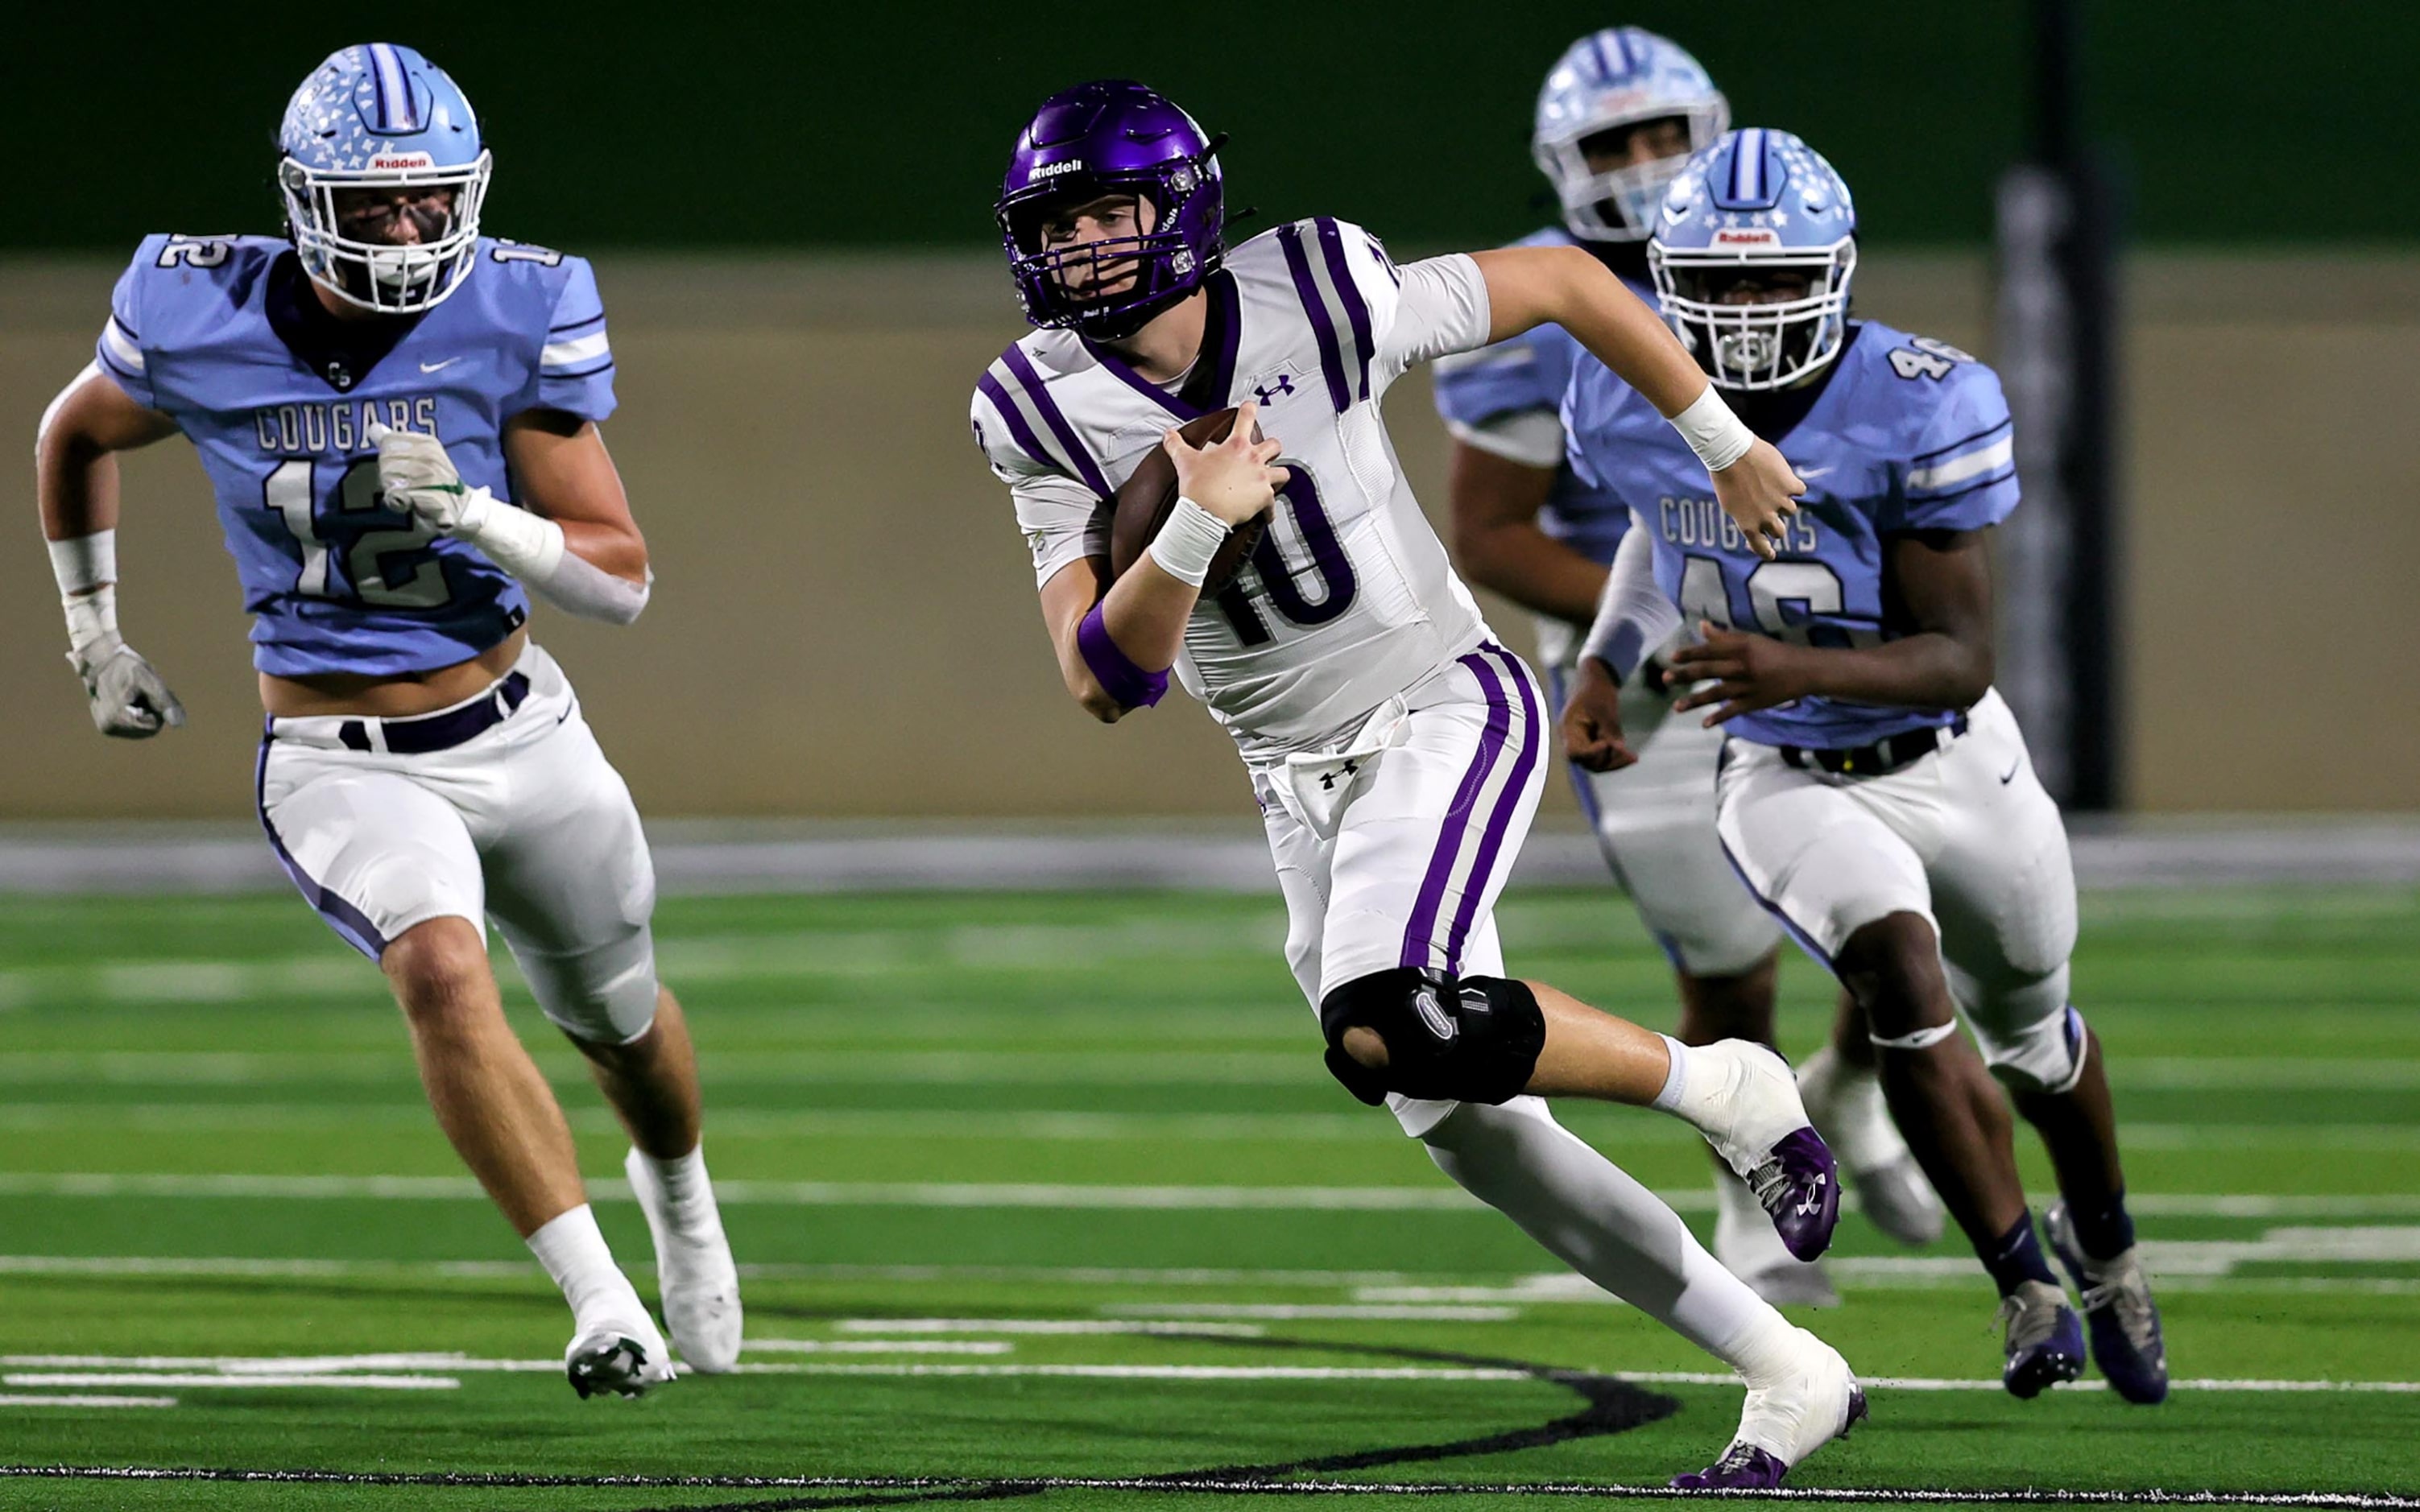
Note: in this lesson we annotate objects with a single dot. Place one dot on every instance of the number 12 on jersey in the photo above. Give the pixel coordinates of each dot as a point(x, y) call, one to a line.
point(365, 569)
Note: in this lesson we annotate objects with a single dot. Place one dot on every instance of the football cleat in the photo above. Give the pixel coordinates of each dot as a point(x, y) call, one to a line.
point(624, 1356)
point(1845, 1104)
point(1781, 1425)
point(695, 1274)
point(2045, 1339)
point(2125, 1322)
point(1760, 1129)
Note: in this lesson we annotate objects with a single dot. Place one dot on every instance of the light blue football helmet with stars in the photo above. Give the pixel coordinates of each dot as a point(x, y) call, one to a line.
point(1618, 77)
point(382, 116)
point(1756, 203)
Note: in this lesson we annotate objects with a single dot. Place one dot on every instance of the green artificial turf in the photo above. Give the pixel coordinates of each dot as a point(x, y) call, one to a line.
point(915, 1106)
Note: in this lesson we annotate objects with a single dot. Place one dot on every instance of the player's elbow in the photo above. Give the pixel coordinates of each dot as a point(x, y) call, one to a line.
point(1097, 702)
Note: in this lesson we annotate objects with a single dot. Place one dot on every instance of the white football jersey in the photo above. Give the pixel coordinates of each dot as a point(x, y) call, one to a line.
point(1349, 599)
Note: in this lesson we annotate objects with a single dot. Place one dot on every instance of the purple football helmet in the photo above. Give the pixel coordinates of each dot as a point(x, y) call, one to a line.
point(1107, 137)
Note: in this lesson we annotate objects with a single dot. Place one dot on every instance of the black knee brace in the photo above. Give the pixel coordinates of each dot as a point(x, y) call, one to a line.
point(1464, 1038)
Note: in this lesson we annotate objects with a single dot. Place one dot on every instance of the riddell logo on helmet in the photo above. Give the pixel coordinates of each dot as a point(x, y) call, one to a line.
point(1052, 170)
point(1758, 238)
point(402, 160)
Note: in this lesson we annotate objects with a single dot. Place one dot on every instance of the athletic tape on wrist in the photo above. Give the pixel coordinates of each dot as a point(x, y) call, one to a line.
point(83, 562)
point(1119, 677)
point(525, 545)
point(92, 618)
point(1717, 436)
point(1187, 542)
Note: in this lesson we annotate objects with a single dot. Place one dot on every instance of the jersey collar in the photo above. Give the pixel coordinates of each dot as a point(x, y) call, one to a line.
point(1775, 414)
point(1213, 375)
point(340, 353)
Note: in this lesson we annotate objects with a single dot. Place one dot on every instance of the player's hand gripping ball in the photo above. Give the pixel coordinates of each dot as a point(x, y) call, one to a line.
point(1143, 502)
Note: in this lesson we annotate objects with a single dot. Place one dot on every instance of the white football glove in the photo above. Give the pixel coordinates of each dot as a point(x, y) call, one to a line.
point(128, 696)
point(416, 476)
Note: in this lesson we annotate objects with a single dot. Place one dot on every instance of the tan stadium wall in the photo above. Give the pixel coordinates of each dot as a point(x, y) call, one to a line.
point(844, 621)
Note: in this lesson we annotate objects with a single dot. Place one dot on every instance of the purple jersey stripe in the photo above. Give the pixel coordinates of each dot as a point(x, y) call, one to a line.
point(1507, 802)
point(1030, 445)
point(342, 917)
point(1039, 392)
point(1357, 309)
point(1331, 362)
point(1418, 930)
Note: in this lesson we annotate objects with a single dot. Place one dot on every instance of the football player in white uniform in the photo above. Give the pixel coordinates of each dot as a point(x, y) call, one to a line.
point(1396, 751)
point(1618, 116)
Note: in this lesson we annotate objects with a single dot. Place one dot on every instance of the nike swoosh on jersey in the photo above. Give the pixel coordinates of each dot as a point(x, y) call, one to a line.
point(2011, 775)
point(431, 367)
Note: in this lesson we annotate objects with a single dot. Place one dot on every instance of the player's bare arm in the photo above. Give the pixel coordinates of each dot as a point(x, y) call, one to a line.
point(563, 472)
point(1944, 583)
point(76, 489)
point(1498, 540)
point(1531, 286)
point(1143, 614)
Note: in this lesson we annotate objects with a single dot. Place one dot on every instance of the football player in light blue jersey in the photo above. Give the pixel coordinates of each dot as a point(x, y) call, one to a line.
point(1874, 791)
point(399, 418)
point(1621, 111)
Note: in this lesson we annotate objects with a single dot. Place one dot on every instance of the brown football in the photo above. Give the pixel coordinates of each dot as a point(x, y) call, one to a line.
point(1144, 500)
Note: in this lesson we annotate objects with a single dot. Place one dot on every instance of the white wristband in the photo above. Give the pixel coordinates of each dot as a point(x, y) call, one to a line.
point(525, 545)
point(1718, 437)
point(83, 562)
point(1187, 542)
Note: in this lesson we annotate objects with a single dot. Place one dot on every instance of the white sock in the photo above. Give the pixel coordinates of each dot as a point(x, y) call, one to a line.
point(1597, 1219)
point(574, 1254)
point(1697, 1085)
point(688, 1196)
point(1856, 1120)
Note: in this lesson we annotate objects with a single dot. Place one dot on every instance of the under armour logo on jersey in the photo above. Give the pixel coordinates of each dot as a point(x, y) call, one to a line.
point(1271, 392)
point(1327, 779)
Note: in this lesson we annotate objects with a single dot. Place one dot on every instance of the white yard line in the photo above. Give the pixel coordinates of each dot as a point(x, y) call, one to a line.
point(1034, 1325)
point(82, 1399)
point(143, 1378)
point(1156, 1372)
point(1278, 1311)
point(882, 1345)
point(1993, 1384)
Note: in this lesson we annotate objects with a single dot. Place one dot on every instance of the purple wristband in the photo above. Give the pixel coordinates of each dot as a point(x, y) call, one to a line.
point(1119, 677)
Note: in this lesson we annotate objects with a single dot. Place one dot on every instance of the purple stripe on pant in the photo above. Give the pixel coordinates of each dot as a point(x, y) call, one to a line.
point(1420, 929)
point(1507, 802)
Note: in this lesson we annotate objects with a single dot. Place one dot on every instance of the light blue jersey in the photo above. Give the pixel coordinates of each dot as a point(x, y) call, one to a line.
point(1908, 435)
point(224, 335)
point(1530, 372)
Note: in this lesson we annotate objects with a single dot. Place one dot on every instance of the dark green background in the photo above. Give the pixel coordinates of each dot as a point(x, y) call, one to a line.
point(2228, 121)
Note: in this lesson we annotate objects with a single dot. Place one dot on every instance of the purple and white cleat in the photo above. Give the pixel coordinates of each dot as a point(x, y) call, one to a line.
point(1813, 1402)
point(1756, 1122)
